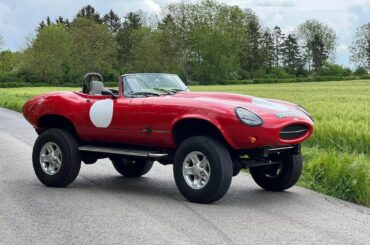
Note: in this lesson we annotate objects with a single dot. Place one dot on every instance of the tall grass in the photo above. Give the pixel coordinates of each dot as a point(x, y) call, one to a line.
point(14, 98)
point(337, 157)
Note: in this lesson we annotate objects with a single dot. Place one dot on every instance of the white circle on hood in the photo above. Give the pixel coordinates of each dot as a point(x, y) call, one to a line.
point(101, 113)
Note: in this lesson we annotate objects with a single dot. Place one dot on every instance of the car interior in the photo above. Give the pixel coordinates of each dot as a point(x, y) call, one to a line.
point(93, 84)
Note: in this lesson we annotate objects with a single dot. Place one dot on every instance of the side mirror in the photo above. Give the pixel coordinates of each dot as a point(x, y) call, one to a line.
point(109, 92)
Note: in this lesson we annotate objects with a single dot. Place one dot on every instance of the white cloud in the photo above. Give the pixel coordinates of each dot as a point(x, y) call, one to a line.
point(343, 49)
point(275, 3)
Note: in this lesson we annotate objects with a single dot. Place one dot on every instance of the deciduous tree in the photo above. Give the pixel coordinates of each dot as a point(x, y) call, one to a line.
point(131, 22)
point(47, 59)
point(360, 49)
point(1, 42)
point(319, 42)
point(92, 48)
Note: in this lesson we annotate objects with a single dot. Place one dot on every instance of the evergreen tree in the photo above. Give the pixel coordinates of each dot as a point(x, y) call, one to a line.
point(251, 59)
point(113, 21)
point(291, 57)
point(268, 50)
point(319, 52)
point(44, 23)
point(60, 20)
point(278, 39)
point(89, 12)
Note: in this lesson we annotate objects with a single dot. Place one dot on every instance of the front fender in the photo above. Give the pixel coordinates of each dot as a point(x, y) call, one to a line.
point(212, 120)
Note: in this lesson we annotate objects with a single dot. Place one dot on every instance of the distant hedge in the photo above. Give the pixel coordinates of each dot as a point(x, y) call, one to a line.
point(192, 83)
point(23, 84)
point(284, 80)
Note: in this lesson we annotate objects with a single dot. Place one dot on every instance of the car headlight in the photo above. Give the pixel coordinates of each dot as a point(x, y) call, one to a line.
point(248, 117)
point(304, 111)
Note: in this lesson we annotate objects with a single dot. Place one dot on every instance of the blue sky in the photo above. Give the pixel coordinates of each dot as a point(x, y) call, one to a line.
point(19, 18)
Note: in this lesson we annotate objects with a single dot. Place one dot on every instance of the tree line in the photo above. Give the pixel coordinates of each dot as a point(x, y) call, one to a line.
point(205, 41)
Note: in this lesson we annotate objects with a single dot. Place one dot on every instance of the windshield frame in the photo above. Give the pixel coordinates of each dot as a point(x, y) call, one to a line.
point(124, 90)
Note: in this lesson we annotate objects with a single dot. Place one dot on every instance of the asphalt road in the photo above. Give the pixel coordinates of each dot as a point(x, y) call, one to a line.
point(101, 207)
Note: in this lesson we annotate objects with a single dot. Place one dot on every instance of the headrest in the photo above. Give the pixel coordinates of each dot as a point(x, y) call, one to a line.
point(96, 87)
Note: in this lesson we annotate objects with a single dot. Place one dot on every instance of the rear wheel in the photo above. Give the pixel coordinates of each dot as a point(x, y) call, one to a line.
point(202, 169)
point(131, 168)
point(56, 158)
point(279, 177)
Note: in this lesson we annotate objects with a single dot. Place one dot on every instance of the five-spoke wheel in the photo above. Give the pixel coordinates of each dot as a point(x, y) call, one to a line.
point(196, 170)
point(50, 158)
point(56, 158)
point(202, 169)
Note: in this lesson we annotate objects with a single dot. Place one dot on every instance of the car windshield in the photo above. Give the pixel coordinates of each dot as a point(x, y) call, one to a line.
point(152, 84)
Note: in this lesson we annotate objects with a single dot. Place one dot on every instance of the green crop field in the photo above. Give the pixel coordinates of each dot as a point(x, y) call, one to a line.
point(337, 157)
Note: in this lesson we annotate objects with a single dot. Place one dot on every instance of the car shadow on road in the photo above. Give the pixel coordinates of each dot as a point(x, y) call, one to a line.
point(147, 188)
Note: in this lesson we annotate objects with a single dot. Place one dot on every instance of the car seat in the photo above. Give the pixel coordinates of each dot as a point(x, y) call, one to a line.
point(92, 83)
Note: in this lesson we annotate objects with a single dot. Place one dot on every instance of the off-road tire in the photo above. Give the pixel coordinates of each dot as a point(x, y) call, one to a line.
point(291, 169)
point(131, 168)
point(221, 169)
point(70, 155)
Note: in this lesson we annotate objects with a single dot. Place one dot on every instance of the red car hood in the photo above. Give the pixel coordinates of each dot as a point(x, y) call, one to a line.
point(257, 105)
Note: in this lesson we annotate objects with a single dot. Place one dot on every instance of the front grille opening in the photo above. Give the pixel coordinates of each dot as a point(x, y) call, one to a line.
point(293, 131)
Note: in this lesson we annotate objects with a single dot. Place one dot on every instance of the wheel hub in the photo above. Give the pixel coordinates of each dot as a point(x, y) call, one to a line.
point(50, 158)
point(196, 170)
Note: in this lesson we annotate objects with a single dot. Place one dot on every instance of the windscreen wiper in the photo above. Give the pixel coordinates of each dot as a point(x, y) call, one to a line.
point(176, 90)
point(144, 93)
point(167, 91)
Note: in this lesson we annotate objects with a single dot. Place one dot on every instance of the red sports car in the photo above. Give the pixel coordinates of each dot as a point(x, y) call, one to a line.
point(208, 137)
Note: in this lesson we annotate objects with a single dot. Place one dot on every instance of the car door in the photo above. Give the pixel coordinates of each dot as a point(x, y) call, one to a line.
point(105, 118)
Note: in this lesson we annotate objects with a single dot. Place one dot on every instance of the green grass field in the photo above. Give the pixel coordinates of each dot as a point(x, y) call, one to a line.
point(337, 157)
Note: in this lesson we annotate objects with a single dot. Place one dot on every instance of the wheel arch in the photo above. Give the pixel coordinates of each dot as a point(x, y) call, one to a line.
point(56, 121)
point(189, 126)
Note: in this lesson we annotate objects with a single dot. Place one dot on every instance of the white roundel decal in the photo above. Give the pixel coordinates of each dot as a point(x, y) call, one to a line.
point(101, 113)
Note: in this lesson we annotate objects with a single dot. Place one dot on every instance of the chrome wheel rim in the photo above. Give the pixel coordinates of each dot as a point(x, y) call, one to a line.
point(50, 158)
point(196, 170)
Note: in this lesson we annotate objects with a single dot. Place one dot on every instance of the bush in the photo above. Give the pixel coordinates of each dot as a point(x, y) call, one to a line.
point(287, 80)
point(6, 77)
point(25, 84)
point(360, 71)
point(365, 76)
point(277, 72)
point(333, 70)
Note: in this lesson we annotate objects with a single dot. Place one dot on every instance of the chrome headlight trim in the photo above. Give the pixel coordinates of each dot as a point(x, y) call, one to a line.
point(305, 111)
point(247, 117)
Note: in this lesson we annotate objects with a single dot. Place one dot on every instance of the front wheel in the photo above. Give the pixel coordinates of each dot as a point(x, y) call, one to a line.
point(56, 158)
point(202, 169)
point(279, 177)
